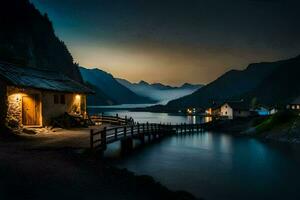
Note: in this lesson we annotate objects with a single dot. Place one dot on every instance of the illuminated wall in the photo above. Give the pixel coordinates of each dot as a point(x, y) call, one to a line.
point(74, 104)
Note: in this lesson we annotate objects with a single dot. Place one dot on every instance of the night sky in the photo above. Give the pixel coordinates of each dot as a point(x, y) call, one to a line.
point(175, 41)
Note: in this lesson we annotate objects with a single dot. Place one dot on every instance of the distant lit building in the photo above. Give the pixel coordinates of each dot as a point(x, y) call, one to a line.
point(294, 105)
point(213, 111)
point(273, 111)
point(191, 111)
point(262, 110)
point(231, 110)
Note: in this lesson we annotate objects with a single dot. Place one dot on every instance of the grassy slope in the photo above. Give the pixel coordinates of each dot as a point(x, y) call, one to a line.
point(283, 126)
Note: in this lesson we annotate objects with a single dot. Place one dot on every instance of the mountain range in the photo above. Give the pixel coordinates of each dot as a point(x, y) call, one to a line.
point(27, 38)
point(113, 91)
point(159, 92)
point(269, 83)
point(108, 90)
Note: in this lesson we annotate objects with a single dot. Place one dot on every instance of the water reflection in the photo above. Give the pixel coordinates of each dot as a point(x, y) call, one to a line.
point(213, 165)
point(219, 166)
point(144, 117)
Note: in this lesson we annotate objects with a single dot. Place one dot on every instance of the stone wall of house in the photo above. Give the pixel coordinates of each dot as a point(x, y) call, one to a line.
point(73, 105)
point(14, 104)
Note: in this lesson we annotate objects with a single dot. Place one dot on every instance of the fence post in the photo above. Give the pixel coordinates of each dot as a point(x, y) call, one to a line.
point(116, 133)
point(148, 131)
point(117, 118)
point(92, 139)
point(131, 130)
point(125, 131)
point(103, 138)
point(147, 127)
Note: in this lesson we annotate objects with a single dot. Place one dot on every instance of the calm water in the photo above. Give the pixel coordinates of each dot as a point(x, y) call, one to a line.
point(144, 117)
point(215, 166)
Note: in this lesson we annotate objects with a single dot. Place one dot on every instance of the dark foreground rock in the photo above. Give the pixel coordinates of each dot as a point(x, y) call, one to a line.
point(71, 174)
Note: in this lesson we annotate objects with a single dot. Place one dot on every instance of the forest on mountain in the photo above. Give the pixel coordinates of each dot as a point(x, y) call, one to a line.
point(27, 38)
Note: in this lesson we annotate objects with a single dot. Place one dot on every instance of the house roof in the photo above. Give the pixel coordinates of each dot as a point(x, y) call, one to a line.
point(296, 101)
point(40, 79)
point(238, 105)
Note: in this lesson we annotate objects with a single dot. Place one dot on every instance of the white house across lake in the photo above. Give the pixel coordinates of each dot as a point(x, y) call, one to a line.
point(233, 110)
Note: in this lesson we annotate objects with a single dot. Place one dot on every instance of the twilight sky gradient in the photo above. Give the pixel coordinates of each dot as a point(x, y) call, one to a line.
point(175, 41)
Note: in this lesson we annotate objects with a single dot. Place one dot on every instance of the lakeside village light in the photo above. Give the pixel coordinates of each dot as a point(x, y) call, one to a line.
point(191, 111)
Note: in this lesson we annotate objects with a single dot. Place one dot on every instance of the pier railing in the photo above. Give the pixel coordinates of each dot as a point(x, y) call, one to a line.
point(114, 120)
point(100, 138)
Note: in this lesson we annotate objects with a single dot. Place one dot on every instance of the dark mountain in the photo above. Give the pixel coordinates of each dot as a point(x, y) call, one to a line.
point(158, 91)
point(160, 86)
point(99, 98)
point(108, 90)
point(268, 83)
point(281, 86)
point(191, 86)
point(27, 38)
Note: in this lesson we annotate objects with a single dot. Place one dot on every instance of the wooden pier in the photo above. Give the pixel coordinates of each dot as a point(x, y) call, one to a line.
point(143, 132)
point(114, 120)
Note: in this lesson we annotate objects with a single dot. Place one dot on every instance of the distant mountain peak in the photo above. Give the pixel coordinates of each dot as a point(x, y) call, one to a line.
point(109, 89)
point(143, 83)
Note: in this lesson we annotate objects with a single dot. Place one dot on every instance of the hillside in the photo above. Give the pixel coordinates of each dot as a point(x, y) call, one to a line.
point(269, 83)
point(159, 92)
point(27, 38)
point(281, 86)
point(108, 90)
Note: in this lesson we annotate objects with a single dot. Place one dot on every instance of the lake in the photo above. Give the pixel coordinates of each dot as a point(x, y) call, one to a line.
point(214, 165)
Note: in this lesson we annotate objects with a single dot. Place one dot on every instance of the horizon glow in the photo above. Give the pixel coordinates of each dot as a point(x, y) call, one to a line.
point(172, 42)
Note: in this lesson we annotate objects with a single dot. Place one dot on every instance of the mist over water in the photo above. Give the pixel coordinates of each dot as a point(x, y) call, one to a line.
point(162, 96)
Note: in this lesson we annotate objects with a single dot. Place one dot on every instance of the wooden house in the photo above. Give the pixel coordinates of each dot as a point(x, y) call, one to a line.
point(33, 97)
point(231, 110)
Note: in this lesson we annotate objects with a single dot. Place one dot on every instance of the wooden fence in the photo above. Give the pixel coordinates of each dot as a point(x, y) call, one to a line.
point(100, 138)
point(114, 120)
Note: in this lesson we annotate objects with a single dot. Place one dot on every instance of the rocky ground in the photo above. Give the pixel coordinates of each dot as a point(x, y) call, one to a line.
point(46, 167)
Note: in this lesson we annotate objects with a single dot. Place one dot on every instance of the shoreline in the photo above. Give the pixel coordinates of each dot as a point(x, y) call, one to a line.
point(65, 173)
point(248, 127)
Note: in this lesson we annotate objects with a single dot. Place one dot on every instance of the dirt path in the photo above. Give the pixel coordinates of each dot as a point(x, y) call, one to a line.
point(52, 166)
